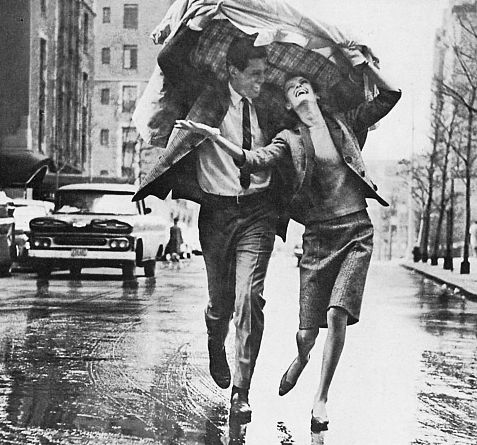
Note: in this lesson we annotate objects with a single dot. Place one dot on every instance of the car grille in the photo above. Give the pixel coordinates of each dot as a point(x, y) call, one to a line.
point(79, 241)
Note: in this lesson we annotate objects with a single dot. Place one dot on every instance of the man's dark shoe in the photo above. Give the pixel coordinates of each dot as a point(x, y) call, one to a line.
point(240, 408)
point(218, 366)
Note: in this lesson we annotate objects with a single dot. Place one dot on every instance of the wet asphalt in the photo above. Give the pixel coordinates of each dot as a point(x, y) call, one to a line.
point(102, 361)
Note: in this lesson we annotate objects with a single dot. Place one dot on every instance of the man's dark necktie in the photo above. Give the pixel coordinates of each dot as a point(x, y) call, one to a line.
point(246, 141)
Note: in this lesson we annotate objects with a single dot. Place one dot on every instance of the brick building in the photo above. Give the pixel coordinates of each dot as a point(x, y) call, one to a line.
point(45, 95)
point(124, 60)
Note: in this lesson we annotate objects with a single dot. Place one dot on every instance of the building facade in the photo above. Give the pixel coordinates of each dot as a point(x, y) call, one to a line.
point(124, 60)
point(46, 80)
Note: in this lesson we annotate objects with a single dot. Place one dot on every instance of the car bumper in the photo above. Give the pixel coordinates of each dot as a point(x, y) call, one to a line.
point(84, 256)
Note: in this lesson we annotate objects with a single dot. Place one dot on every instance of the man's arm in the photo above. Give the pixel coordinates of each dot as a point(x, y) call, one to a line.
point(251, 160)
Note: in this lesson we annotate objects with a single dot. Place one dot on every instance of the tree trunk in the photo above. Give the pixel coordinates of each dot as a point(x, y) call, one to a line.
point(442, 208)
point(465, 265)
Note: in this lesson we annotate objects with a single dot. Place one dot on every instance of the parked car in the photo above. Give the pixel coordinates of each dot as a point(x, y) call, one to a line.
point(25, 211)
point(7, 234)
point(97, 225)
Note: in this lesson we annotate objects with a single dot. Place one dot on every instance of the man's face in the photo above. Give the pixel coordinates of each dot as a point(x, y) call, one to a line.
point(249, 81)
point(297, 91)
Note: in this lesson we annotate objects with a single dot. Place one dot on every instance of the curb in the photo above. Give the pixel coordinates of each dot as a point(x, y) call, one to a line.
point(467, 293)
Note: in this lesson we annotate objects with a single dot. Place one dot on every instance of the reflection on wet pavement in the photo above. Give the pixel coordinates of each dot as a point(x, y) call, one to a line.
point(448, 393)
point(107, 362)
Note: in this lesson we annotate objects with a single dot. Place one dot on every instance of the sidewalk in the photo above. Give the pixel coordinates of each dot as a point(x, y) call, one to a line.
point(466, 284)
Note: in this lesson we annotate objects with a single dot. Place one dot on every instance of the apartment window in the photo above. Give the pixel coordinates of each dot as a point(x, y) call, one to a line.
point(43, 7)
point(104, 137)
point(85, 32)
point(130, 16)
point(105, 96)
point(129, 98)
point(106, 56)
point(129, 149)
point(107, 15)
point(130, 57)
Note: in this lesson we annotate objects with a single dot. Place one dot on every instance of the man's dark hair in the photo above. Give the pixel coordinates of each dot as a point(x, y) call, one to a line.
point(241, 50)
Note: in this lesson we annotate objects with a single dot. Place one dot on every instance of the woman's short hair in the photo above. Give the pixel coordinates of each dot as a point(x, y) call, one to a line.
point(241, 50)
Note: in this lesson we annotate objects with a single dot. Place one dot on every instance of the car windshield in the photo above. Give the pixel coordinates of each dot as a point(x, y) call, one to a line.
point(95, 201)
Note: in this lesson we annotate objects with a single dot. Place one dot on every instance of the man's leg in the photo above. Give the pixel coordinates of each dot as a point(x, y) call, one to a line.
point(337, 322)
point(254, 248)
point(216, 246)
point(253, 255)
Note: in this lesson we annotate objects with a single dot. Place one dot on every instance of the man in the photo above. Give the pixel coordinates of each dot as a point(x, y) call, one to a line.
point(238, 215)
point(330, 188)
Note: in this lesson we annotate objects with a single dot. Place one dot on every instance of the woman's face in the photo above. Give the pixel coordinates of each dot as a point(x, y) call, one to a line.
point(297, 91)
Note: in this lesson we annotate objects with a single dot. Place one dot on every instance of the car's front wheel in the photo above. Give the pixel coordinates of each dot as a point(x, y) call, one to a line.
point(43, 270)
point(75, 271)
point(149, 268)
point(128, 270)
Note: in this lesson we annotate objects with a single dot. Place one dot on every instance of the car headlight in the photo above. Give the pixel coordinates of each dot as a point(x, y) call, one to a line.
point(119, 243)
point(41, 242)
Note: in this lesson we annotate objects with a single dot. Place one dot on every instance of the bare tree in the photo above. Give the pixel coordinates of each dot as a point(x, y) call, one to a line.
point(447, 130)
point(462, 87)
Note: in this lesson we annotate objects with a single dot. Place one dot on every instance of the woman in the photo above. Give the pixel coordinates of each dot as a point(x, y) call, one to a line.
point(330, 188)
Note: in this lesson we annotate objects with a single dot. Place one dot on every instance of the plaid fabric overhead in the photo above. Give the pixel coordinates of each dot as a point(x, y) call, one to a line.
point(211, 50)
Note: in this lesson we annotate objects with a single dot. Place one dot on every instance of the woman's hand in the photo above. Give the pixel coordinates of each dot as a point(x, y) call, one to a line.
point(196, 127)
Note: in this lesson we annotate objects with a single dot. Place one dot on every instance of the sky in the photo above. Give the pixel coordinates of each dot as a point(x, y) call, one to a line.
point(401, 33)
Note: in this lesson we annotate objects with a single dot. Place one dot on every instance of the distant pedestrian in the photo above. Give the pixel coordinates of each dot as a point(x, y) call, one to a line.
point(173, 247)
point(473, 237)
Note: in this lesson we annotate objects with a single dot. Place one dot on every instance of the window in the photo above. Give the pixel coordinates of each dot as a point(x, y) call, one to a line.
point(130, 16)
point(129, 150)
point(129, 98)
point(104, 137)
point(107, 15)
point(43, 7)
point(85, 32)
point(105, 96)
point(106, 56)
point(130, 57)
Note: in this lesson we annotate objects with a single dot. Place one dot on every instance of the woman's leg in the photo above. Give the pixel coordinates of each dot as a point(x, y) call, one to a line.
point(337, 321)
point(305, 340)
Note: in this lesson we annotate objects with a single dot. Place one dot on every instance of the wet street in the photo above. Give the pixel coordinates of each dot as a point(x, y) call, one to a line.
point(99, 361)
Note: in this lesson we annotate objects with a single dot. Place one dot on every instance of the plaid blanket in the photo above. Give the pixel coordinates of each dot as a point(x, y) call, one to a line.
point(210, 54)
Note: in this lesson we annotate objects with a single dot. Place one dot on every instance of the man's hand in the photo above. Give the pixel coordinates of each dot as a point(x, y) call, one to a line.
point(196, 127)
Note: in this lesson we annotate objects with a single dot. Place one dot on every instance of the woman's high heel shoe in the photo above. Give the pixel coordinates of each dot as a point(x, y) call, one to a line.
point(285, 385)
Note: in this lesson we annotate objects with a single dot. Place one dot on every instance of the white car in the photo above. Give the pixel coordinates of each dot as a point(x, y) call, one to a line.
point(25, 211)
point(7, 234)
point(97, 225)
